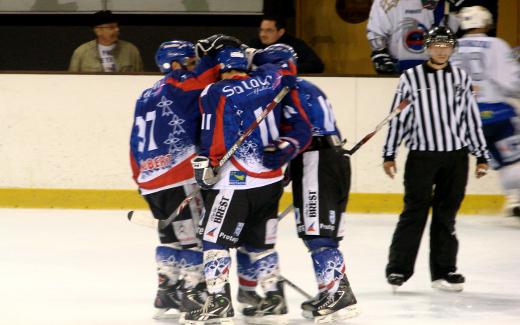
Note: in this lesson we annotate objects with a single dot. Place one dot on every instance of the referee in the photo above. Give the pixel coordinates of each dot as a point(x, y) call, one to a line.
point(440, 126)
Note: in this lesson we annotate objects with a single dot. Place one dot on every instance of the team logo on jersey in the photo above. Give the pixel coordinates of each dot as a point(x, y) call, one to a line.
point(211, 233)
point(386, 5)
point(413, 35)
point(237, 177)
point(254, 85)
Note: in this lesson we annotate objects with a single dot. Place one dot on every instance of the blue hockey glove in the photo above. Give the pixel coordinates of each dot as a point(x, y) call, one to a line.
point(203, 172)
point(289, 81)
point(383, 62)
point(279, 153)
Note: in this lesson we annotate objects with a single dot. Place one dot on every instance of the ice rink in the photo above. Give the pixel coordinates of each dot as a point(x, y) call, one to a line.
point(94, 267)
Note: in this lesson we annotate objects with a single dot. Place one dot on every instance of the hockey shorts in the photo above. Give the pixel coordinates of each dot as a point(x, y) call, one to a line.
point(321, 185)
point(503, 140)
point(241, 217)
point(183, 229)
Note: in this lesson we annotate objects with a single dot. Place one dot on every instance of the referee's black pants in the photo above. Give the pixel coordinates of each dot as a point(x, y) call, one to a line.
point(437, 180)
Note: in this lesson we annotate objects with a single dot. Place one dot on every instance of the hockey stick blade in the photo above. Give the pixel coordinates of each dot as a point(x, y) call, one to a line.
point(402, 105)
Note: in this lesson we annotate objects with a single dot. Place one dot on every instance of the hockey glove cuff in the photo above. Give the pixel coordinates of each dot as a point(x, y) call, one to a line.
point(279, 153)
point(383, 62)
point(204, 174)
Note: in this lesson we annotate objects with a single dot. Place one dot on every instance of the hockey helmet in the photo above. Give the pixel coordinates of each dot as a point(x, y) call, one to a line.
point(179, 51)
point(232, 58)
point(475, 17)
point(440, 34)
point(274, 54)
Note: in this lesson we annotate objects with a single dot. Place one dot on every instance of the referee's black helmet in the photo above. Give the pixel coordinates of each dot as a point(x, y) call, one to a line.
point(440, 34)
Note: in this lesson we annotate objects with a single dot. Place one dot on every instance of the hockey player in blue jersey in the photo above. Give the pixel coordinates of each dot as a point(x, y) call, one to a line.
point(241, 202)
point(320, 185)
point(496, 76)
point(163, 138)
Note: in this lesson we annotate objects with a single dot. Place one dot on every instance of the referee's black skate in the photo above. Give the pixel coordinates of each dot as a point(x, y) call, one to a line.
point(271, 310)
point(167, 300)
point(395, 280)
point(217, 309)
point(451, 282)
point(336, 306)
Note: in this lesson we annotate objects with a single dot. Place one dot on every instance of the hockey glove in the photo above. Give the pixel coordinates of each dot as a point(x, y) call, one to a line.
point(279, 153)
point(203, 172)
point(383, 62)
point(211, 45)
point(289, 81)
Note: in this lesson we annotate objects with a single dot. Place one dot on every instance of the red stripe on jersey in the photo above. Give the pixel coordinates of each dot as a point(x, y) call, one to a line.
point(218, 146)
point(270, 174)
point(296, 100)
point(134, 166)
point(197, 83)
point(178, 173)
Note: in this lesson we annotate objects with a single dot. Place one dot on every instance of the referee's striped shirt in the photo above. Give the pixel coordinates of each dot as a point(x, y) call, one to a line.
point(442, 115)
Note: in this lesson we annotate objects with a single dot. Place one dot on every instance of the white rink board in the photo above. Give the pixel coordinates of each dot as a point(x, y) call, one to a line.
point(72, 131)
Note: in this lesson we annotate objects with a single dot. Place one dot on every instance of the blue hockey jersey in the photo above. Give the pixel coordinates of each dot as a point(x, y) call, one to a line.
point(230, 106)
point(165, 128)
point(318, 109)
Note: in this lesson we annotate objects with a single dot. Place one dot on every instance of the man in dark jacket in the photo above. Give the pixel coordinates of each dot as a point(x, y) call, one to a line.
point(272, 30)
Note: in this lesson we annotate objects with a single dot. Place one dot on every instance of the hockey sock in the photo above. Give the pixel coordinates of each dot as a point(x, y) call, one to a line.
point(247, 277)
point(190, 263)
point(167, 259)
point(217, 262)
point(328, 263)
point(264, 262)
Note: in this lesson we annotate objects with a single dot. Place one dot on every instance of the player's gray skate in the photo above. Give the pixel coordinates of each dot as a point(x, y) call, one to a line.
point(248, 298)
point(217, 309)
point(336, 306)
point(271, 310)
point(167, 301)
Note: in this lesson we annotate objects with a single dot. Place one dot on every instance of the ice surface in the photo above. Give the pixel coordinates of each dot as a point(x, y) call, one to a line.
point(94, 267)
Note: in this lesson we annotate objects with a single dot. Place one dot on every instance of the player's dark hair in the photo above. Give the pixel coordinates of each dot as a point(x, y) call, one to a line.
point(279, 21)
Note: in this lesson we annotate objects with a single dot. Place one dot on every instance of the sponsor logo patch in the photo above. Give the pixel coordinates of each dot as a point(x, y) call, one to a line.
point(332, 217)
point(237, 177)
point(238, 229)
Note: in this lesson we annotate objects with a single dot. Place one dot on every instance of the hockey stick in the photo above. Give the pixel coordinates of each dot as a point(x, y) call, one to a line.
point(367, 137)
point(295, 287)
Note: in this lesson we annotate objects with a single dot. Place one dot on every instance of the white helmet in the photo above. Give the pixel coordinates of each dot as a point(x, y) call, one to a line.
point(475, 17)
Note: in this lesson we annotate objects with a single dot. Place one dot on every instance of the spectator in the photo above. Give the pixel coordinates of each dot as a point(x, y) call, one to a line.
point(273, 30)
point(107, 53)
point(395, 32)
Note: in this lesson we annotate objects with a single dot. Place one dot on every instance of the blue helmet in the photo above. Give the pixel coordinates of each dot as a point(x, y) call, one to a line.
point(171, 51)
point(275, 53)
point(232, 58)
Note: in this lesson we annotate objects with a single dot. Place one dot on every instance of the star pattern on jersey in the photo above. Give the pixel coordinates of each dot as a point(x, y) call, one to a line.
point(165, 105)
point(177, 146)
point(176, 124)
point(248, 152)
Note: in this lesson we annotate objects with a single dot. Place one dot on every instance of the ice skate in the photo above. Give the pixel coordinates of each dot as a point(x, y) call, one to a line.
point(217, 309)
point(192, 299)
point(248, 298)
point(167, 301)
point(271, 310)
point(309, 305)
point(395, 280)
point(452, 282)
point(336, 306)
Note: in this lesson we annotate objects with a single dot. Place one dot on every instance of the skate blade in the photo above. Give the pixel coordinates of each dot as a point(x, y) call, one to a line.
point(307, 314)
point(166, 313)
point(268, 319)
point(217, 321)
point(446, 286)
point(342, 314)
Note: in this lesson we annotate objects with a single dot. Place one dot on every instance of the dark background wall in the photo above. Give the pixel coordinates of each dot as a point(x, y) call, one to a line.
point(45, 42)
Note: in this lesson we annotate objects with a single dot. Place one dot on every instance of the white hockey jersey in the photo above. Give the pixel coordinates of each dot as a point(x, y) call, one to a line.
point(399, 25)
point(491, 64)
